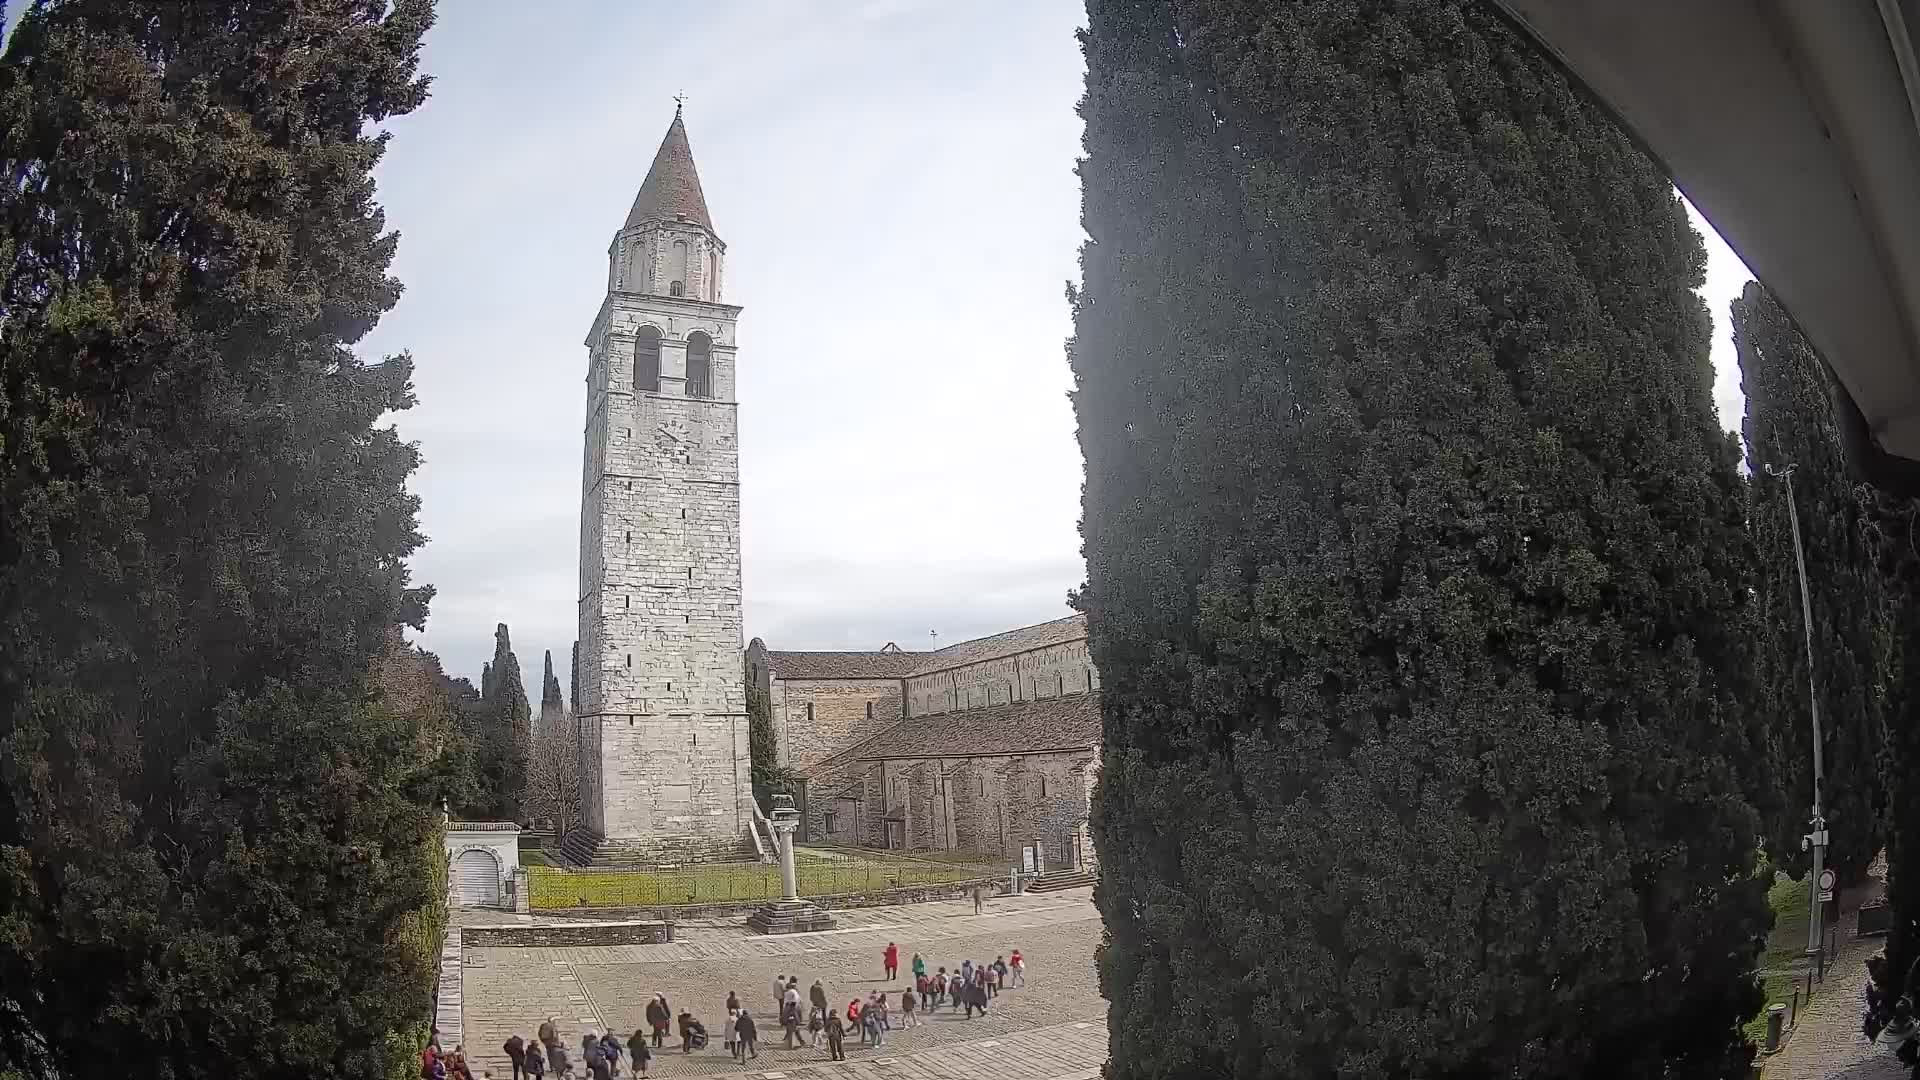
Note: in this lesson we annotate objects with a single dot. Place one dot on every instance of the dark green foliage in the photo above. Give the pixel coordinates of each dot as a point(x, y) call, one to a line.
point(769, 776)
point(1897, 529)
point(550, 700)
point(501, 741)
point(1417, 576)
point(1790, 420)
point(215, 835)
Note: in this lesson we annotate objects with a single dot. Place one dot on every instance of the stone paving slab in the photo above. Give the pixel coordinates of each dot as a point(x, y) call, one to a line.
point(510, 990)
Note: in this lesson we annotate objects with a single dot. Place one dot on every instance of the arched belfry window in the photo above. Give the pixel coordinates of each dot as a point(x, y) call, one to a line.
point(677, 269)
point(646, 361)
point(713, 276)
point(699, 365)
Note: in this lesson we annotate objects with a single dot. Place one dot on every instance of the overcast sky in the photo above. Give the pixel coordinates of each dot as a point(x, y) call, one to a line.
point(894, 181)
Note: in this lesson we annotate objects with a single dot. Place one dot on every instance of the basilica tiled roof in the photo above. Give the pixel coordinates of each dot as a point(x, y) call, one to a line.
point(1016, 727)
point(892, 663)
point(671, 190)
point(1025, 639)
point(842, 665)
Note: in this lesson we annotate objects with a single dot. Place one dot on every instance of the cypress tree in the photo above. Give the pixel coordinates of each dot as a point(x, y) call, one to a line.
point(573, 681)
point(1790, 420)
point(1417, 577)
point(510, 730)
point(1897, 531)
point(550, 699)
point(215, 833)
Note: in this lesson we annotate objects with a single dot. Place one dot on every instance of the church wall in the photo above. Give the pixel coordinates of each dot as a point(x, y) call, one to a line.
point(1046, 672)
point(813, 719)
point(987, 805)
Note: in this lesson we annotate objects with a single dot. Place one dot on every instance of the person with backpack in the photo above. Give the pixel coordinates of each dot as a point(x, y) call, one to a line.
point(870, 1026)
point(536, 1061)
point(919, 967)
point(610, 1046)
point(557, 1062)
point(816, 1026)
point(790, 1017)
point(853, 1018)
point(906, 1010)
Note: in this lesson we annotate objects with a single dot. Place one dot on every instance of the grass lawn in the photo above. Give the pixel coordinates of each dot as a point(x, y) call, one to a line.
point(1786, 948)
point(708, 883)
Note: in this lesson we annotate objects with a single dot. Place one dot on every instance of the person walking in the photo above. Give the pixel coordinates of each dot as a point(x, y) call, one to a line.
point(790, 1019)
point(779, 992)
point(536, 1061)
point(1018, 968)
point(906, 1010)
point(979, 900)
point(516, 1050)
point(744, 1036)
point(817, 997)
point(891, 959)
point(853, 1019)
point(972, 995)
point(592, 1058)
point(816, 1026)
point(733, 1017)
point(638, 1051)
point(557, 1062)
point(693, 1033)
point(966, 973)
point(940, 987)
point(836, 1038)
point(999, 974)
point(919, 967)
point(790, 1003)
point(659, 1018)
point(870, 1025)
point(610, 1046)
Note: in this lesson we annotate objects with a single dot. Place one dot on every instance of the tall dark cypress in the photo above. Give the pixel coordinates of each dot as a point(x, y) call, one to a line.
point(215, 833)
point(1417, 576)
point(510, 734)
point(1790, 421)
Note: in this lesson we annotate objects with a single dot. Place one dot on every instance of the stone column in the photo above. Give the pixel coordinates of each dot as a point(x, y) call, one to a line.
point(785, 820)
point(789, 914)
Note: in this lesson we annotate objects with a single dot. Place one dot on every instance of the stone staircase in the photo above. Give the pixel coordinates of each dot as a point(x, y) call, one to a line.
point(789, 917)
point(1056, 880)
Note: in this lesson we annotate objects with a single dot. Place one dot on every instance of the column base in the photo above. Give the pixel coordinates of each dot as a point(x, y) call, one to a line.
point(789, 917)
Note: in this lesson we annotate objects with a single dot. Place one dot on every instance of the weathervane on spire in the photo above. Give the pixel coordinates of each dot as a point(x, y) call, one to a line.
point(679, 100)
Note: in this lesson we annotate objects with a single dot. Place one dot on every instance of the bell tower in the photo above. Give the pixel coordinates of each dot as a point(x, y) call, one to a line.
point(663, 713)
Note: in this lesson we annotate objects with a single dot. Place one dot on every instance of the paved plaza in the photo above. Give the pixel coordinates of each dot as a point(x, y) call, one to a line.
point(1052, 1029)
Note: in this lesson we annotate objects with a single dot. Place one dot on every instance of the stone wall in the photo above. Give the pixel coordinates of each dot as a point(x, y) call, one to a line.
point(1046, 672)
point(813, 719)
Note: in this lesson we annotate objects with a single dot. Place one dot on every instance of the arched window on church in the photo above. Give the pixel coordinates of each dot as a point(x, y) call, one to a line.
point(699, 365)
point(646, 361)
point(677, 269)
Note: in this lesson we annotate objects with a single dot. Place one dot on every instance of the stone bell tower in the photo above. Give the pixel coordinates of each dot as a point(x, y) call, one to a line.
point(662, 709)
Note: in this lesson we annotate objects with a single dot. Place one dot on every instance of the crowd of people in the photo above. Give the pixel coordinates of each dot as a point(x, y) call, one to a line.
point(809, 1022)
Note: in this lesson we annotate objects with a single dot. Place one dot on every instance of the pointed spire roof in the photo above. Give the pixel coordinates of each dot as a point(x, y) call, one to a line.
point(672, 187)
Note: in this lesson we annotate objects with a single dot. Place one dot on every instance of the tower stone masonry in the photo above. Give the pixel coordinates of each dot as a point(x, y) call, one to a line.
point(662, 698)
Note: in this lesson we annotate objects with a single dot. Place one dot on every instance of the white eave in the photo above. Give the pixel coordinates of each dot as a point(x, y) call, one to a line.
point(1793, 126)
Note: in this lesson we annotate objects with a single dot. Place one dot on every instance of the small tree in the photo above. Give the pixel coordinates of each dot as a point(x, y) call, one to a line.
point(553, 771)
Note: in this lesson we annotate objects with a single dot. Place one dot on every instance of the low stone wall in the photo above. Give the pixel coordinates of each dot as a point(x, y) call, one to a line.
point(912, 894)
point(612, 932)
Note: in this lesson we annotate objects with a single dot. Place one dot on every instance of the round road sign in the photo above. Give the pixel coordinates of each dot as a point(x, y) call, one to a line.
point(1826, 881)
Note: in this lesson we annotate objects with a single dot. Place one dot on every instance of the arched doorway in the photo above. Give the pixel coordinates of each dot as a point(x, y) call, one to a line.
point(476, 879)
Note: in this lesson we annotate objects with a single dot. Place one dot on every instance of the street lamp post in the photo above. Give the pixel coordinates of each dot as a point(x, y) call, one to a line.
point(1816, 840)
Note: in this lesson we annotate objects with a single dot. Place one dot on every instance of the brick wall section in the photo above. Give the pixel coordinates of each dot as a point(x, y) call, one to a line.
point(662, 697)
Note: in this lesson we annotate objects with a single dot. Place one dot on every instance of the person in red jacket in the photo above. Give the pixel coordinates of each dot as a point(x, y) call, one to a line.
point(892, 958)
